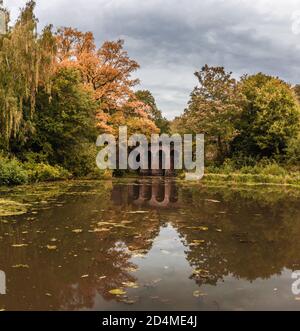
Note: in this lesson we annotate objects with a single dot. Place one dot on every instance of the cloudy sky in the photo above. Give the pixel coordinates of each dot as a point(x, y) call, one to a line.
point(171, 39)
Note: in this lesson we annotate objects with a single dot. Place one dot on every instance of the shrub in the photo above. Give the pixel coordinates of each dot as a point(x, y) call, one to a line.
point(41, 172)
point(12, 172)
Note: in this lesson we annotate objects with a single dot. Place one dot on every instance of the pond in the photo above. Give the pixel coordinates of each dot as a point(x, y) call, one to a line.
point(148, 244)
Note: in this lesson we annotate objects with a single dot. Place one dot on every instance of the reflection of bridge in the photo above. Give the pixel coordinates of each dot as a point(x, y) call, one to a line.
point(154, 193)
point(157, 161)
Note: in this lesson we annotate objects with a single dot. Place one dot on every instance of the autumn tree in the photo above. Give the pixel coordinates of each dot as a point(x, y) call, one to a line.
point(108, 73)
point(213, 109)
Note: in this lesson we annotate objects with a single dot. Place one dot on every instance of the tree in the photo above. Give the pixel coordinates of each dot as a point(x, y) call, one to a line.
point(213, 109)
point(155, 114)
point(270, 117)
point(64, 123)
point(108, 73)
point(26, 63)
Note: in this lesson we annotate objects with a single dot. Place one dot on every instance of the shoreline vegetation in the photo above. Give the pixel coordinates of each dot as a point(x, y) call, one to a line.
point(59, 91)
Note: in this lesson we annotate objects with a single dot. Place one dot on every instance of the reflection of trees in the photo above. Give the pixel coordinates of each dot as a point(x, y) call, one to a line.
point(53, 279)
point(258, 239)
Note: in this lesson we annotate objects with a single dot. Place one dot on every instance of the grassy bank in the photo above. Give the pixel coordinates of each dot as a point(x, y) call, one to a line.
point(263, 173)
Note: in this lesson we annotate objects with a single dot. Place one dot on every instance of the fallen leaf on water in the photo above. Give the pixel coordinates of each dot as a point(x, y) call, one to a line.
point(211, 200)
point(101, 230)
point(130, 284)
point(117, 291)
point(197, 242)
point(51, 247)
point(21, 266)
point(19, 245)
point(200, 228)
point(103, 223)
point(198, 294)
point(77, 230)
point(201, 272)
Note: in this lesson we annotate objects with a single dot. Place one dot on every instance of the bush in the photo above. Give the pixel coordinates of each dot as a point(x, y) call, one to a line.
point(42, 172)
point(12, 172)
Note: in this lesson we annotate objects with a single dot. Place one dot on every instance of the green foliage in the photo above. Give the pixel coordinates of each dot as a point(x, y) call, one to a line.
point(64, 124)
point(25, 65)
point(155, 114)
point(12, 172)
point(270, 117)
point(41, 172)
point(213, 109)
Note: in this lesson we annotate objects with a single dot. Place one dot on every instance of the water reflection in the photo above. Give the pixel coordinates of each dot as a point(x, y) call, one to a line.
point(155, 193)
point(180, 247)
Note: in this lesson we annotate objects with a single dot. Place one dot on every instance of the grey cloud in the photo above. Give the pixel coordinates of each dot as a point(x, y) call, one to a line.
point(173, 38)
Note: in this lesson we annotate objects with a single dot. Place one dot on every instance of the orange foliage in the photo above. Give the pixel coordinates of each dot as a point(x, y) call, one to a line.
point(108, 73)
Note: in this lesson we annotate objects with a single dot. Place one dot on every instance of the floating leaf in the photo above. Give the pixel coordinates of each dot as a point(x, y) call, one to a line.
point(201, 272)
point(198, 294)
point(77, 231)
point(130, 284)
point(197, 242)
point(21, 266)
point(19, 245)
point(101, 230)
point(117, 291)
point(51, 247)
point(211, 200)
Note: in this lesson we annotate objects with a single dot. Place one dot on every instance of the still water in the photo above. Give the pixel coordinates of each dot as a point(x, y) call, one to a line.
point(148, 245)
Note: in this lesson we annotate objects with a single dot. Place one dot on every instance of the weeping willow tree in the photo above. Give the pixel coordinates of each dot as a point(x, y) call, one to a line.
point(27, 62)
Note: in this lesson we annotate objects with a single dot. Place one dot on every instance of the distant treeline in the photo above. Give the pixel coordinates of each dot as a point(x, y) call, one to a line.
point(246, 122)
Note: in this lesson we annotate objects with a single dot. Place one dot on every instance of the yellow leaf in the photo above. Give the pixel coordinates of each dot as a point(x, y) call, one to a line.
point(77, 230)
point(117, 291)
point(51, 247)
